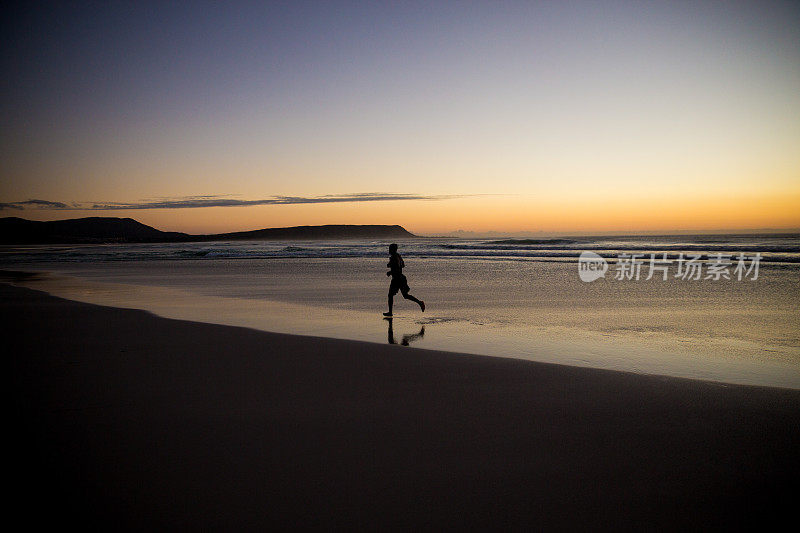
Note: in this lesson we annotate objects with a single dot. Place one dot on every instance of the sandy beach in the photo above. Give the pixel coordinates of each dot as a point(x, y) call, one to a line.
point(125, 420)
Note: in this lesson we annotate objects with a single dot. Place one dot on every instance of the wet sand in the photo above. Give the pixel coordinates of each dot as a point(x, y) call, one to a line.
point(125, 420)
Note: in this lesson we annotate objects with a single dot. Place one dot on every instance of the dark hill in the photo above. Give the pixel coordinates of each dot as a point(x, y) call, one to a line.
point(14, 230)
point(318, 233)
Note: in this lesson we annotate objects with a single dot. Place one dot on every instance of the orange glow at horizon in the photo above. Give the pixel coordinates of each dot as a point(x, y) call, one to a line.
point(584, 213)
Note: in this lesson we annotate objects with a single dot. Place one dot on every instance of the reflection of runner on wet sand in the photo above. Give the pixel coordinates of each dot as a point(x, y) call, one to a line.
point(399, 282)
point(407, 339)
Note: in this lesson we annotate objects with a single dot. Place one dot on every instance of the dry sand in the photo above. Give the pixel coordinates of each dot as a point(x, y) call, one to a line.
point(124, 420)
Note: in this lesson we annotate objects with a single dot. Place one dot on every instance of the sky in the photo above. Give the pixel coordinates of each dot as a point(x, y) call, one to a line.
point(580, 117)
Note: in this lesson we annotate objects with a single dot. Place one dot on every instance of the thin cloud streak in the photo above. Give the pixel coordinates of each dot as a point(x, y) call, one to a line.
point(193, 202)
point(40, 204)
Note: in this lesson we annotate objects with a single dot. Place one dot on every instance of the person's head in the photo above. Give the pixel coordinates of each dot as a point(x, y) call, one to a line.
point(392, 248)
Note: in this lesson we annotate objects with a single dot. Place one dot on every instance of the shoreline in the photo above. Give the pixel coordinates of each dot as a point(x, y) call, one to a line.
point(128, 418)
point(558, 338)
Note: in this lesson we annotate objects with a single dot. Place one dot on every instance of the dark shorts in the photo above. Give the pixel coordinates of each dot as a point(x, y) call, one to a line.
point(399, 283)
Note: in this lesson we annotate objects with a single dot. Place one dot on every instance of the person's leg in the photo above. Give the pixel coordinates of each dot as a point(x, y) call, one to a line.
point(394, 286)
point(408, 296)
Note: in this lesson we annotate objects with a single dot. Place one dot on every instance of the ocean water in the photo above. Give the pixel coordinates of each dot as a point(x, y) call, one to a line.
point(521, 298)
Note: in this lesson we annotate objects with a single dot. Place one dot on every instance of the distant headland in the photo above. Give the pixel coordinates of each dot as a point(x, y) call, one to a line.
point(96, 230)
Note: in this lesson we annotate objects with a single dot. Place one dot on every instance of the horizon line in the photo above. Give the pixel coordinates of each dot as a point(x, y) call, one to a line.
point(492, 233)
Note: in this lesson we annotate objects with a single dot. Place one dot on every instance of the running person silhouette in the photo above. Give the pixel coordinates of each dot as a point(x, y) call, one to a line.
point(399, 282)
